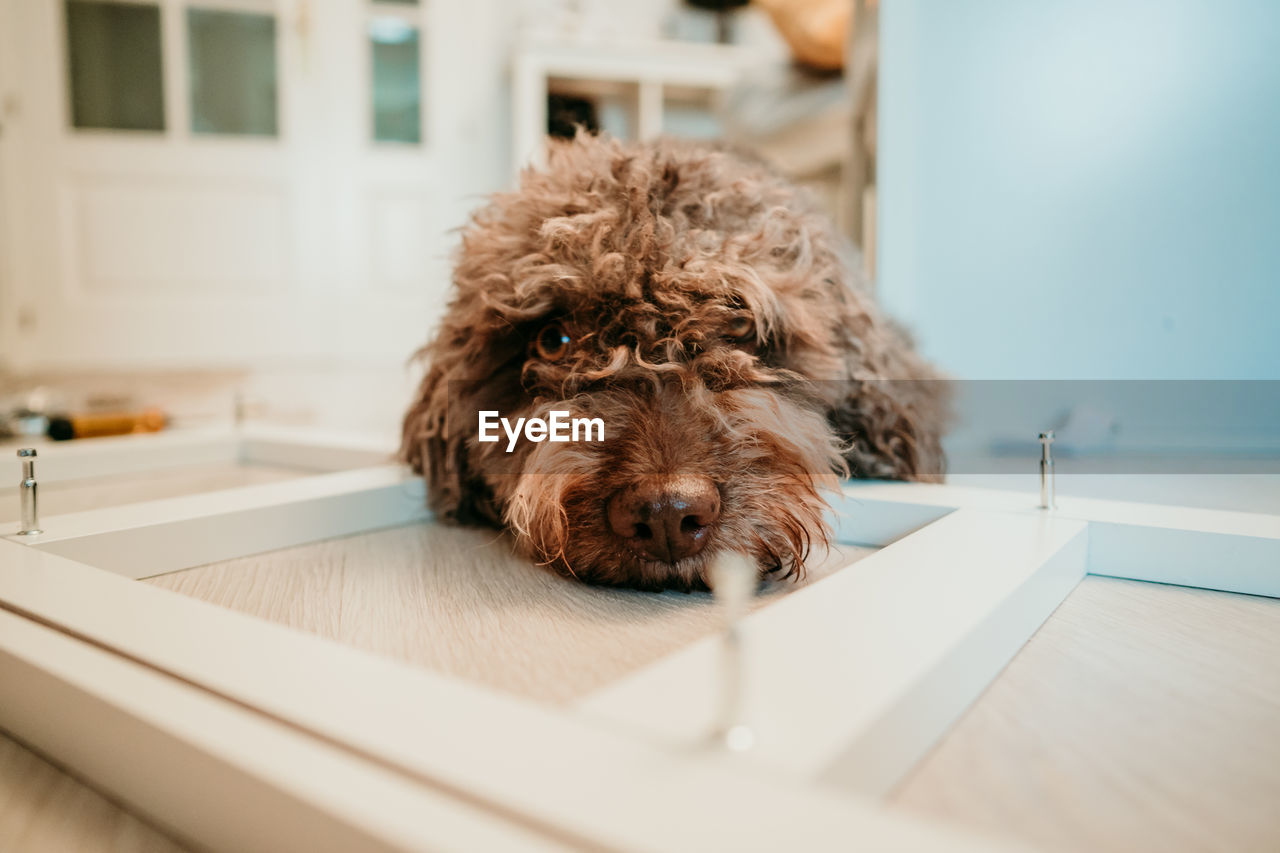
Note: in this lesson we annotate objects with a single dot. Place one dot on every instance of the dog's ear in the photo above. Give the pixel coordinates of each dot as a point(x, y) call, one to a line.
point(436, 446)
point(891, 428)
point(892, 407)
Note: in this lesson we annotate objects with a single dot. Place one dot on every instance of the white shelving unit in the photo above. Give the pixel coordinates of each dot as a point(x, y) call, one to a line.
point(642, 73)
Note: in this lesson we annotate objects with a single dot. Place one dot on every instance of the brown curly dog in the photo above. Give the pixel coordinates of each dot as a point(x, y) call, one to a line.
point(693, 302)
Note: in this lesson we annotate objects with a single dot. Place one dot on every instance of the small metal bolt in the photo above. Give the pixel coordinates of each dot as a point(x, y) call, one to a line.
point(27, 493)
point(1047, 495)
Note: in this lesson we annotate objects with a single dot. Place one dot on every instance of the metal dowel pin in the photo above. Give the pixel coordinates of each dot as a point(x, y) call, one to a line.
point(734, 579)
point(1047, 495)
point(27, 493)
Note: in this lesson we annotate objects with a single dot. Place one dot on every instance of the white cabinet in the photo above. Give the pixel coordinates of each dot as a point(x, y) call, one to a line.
point(280, 194)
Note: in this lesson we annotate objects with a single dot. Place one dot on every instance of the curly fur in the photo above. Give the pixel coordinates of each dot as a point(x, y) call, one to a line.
point(645, 255)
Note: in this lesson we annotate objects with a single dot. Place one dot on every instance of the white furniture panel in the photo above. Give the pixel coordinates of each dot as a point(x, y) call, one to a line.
point(907, 638)
point(401, 249)
point(192, 235)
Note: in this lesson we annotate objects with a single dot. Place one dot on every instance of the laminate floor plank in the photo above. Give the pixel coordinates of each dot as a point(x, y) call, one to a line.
point(44, 809)
point(1140, 717)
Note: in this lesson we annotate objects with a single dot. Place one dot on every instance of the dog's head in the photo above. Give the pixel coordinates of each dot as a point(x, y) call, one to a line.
point(695, 304)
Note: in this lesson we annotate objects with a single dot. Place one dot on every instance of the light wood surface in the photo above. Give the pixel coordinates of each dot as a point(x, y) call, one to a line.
point(46, 810)
point(1140, 717)
point(64, 496)
point(457, 601)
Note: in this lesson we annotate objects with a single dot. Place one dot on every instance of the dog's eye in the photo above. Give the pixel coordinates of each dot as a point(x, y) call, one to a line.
point(741, 327)
point(553, 342)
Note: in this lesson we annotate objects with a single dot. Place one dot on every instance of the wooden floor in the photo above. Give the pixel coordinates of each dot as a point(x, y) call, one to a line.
point(45, 810)
point(1140, 717)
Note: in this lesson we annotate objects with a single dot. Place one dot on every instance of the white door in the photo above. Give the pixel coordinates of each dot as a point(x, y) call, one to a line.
point(197, 182)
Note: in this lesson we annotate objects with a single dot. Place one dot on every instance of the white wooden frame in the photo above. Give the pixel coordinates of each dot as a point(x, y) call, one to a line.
point(295, 742)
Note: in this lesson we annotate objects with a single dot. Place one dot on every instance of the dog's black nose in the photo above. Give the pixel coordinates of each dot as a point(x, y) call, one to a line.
point(668, 518)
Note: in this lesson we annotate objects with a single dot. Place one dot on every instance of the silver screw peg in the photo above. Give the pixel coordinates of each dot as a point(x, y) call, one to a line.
point(27, 493)
point(1047, 490)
